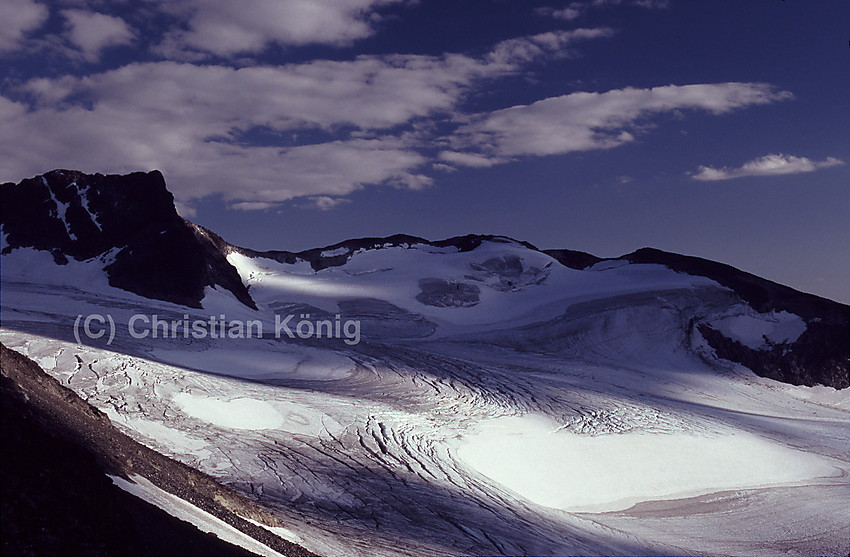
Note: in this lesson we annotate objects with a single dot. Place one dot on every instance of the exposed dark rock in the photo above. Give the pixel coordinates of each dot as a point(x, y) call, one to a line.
point(816, 358)
point(443, 293)
point(343, 251)
point(511, 273)
point(155, 253)
point(57, 499)
point(573, 259)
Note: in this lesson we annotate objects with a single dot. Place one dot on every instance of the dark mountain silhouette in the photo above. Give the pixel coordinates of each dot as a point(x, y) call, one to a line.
point(130, 221)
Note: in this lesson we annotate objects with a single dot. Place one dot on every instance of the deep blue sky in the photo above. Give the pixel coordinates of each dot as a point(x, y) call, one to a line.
point(713, 128)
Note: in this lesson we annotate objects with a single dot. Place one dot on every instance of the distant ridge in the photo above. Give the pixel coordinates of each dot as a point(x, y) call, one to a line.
point(130, 224)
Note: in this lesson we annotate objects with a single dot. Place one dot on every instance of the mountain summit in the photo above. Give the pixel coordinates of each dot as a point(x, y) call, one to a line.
point(129, 225)
point(128, 222)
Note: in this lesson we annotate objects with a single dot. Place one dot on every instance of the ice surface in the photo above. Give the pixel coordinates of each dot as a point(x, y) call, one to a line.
point(537, 458)
point(478, 430)
point(394, 274)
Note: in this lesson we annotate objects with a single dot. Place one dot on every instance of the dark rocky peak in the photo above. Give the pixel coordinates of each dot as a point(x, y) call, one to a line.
point(156, 253)
point(81, 216)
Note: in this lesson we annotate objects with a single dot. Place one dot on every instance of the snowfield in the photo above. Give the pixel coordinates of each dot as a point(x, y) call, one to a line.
point(498, 404)
point(595, 473)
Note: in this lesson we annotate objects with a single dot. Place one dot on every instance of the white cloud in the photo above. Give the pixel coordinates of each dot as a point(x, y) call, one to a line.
point(373, 120)
point(185, 210)
point(369, 92)
point(110, 139)
point(366, 118)
point(574, 10)
point(188, 121)
point(252, 205)
point(226, 28)
point(648, 4)
point(17, 17)
point(652, 4)
point(469, 159)
point(544, 45)
point(768, 165)
point(567, 14)
point(325, 203)
point(92, 32)
point(586, 121)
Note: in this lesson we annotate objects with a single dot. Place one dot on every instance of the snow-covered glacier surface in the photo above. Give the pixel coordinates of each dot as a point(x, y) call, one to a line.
point(497, 403)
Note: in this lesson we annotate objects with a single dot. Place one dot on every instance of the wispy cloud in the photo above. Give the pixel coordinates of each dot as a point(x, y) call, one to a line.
point(19, 17)
point(768, 165)
point(252, 205)
point(543, 46)
point(587, 121)
point(575, 10)
point(192, 121)
point(259, 135)
point(324, 202)
point(468, 159)
point(226, 28)
point(92, 32)
point(360, 119)
point(569, 13)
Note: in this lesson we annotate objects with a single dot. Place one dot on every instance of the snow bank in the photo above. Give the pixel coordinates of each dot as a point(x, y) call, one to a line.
point(238, 413)
point(334, 252)
point(755, 330)
point(532, 457)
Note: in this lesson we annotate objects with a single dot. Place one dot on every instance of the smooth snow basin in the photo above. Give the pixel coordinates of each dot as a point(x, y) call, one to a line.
point(581, 473)
point(238, 413)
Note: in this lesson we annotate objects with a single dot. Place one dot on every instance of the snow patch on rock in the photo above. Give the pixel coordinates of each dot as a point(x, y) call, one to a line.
point(755, 330)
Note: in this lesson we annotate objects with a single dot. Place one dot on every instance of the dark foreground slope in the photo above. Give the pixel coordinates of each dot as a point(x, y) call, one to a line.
point(57, 499)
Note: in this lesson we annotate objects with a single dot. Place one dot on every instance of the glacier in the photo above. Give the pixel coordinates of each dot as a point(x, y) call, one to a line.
point(499, 403)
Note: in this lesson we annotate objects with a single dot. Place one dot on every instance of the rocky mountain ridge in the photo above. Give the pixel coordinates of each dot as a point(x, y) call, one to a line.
point(131, 225)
